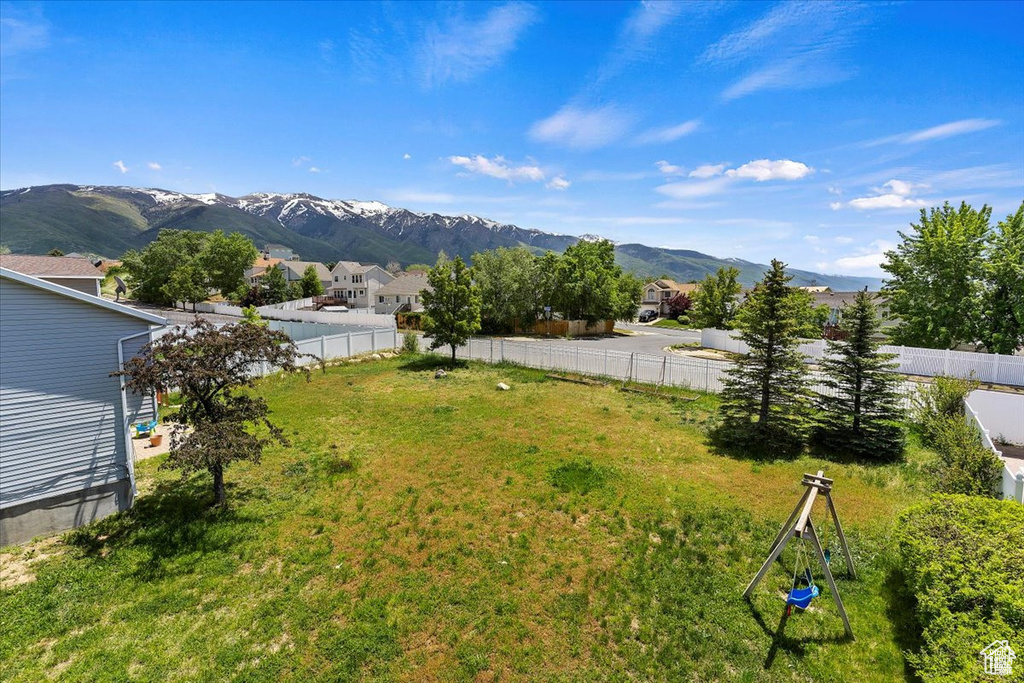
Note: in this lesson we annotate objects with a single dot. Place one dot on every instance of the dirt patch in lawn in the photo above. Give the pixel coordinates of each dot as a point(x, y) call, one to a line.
point(18, 565)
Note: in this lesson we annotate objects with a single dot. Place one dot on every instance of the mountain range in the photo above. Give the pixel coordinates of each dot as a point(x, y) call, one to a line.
point(110, 220)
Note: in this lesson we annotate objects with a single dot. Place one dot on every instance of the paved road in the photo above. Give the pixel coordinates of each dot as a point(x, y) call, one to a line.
point(650, 340)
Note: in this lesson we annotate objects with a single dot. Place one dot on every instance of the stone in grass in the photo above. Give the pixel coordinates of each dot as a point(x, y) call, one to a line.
point(376, 356)
point(503, 387)
point(440, 373)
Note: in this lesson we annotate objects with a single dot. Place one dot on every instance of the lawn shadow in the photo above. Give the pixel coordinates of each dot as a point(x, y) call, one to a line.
point(901, 606)
point(780, 641)
point(175, 526)
point(428, 361)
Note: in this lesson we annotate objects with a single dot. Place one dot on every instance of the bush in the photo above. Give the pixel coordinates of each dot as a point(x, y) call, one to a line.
point(936, 402)
point(683, 320)
point(410, 343)
point(965, 466)
point(960, 557)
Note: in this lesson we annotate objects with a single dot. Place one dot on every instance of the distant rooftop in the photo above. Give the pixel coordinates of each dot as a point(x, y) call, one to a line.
point(50, 266)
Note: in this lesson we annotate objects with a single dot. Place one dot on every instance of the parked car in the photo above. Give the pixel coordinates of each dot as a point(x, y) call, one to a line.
point(648, 316)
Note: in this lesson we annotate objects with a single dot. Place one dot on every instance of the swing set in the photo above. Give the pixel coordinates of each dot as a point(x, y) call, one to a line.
point(800, 527)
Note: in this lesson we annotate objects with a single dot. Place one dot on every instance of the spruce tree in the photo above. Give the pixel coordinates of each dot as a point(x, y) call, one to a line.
point(766, 402)
point(861, 415)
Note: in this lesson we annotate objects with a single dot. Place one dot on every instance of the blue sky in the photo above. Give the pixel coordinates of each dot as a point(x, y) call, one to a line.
point(811, 132)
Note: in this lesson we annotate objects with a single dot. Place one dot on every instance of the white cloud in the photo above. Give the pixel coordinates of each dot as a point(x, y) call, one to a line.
point(407, 156)
point(119, 165)
point(707, 171)
point(865, 261)
point(23, 28)
point(559, 183)
point(794, 45)
point(315, 169)
point(835, 206)
point(300, 161)
point(765, 169)
point(154, 166)
point(669, 169)
point(498, 168)
point(894, 194)
point(463, 49)
point(947, 130)
point(579, 128)
point(670, 134)
point(690, 190)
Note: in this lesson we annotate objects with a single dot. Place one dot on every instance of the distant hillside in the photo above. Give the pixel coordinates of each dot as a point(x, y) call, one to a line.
point(110, 220)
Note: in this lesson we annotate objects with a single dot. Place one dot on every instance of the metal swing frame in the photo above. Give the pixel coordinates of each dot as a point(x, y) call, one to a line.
point(800, 525)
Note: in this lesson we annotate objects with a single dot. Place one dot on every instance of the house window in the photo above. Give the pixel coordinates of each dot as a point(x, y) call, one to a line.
point(381, 299)
point(650, 294)
point(362, 292)
point(335, 278)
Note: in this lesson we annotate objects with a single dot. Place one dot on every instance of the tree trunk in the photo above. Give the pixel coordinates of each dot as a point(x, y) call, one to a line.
point(453, 356)
point(219, 494)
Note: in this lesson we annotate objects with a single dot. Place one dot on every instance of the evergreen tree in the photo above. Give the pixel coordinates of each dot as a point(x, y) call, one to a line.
point(451, 305)
point(310, 282)
point(274, 284)
point(765, 401)
point(863, 417)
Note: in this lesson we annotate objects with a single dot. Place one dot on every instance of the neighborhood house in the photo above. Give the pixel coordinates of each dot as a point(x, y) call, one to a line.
point(358, 284)
point(401, 295)
point(75, 273)
point(65, 445)
point(293, 271)
point(657, 294)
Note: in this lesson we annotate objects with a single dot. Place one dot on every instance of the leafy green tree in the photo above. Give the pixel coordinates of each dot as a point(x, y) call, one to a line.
point(811, 319)
point(212, 368)
point(225, 258)
point(1002, 329)
point(295, 291)
point(310, 282)
point(937, 278)
point(509, 300)
point(628, 292)
point(274, 285)
point(188, 284)
point(765, 403)
point(862, 416)
point(451, 304)
point(150, 269)
point(545, 281)
point(714, 302)
point(588, 282)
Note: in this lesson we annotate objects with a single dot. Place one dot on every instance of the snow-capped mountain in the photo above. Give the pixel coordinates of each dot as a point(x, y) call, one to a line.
point(111, 220)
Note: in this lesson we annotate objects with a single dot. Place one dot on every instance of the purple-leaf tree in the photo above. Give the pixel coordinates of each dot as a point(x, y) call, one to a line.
point(219, 421)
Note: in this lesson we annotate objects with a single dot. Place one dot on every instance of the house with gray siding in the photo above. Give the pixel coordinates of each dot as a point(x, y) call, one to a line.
point(66, 456)
point(76, 273)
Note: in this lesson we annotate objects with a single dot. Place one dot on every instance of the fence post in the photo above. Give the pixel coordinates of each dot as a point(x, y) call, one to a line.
point(492, 349)
point(323, 349)
point(578, 360)
point(995, 369)
point(606, 362)
point(502, 349)
point(348, 344)
point(373, 340)
point(707, 375)
point(945, 363)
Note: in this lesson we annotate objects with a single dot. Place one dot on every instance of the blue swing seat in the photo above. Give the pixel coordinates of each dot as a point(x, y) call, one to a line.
point(801, 597)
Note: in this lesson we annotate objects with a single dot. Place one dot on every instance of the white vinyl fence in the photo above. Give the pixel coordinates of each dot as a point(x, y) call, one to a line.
point(677, 371)
point(1012, 484)
point(986, 367)
point(342, 345)
point(289, 311)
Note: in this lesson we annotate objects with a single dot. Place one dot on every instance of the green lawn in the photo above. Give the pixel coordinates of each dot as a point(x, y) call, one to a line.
point(422, 529)
point(672, 324)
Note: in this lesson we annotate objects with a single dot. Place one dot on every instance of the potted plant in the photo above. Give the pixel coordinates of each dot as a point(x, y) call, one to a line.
point(156, 439)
